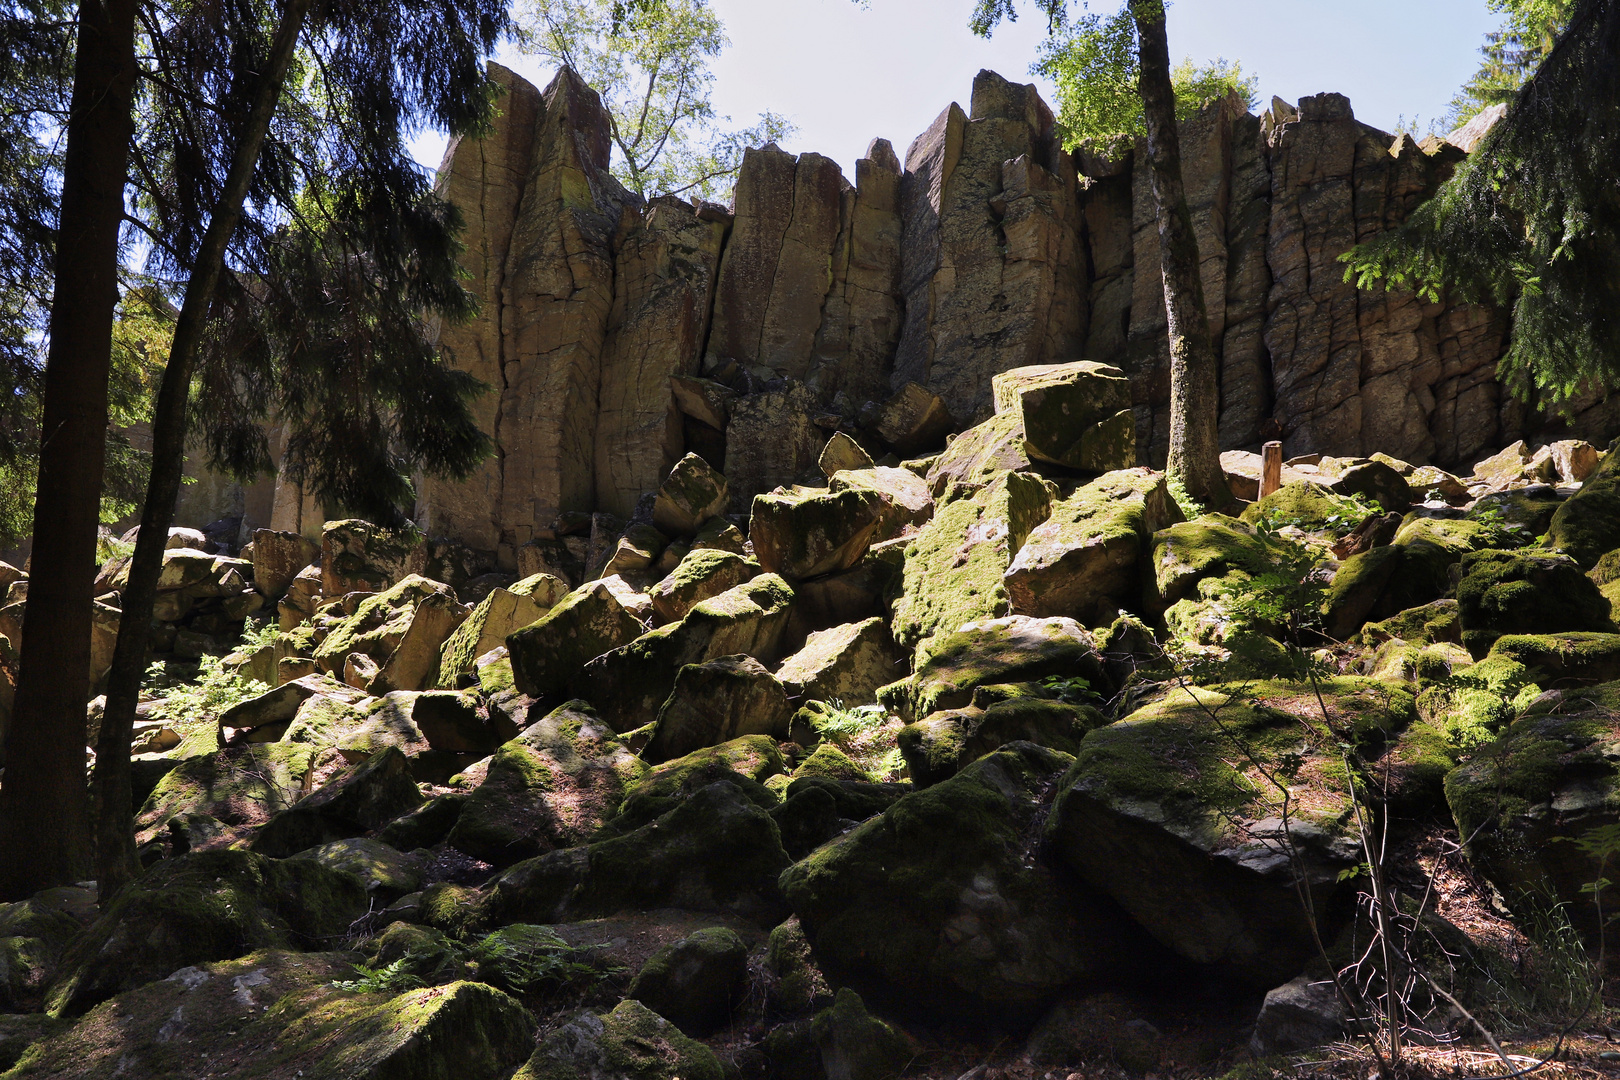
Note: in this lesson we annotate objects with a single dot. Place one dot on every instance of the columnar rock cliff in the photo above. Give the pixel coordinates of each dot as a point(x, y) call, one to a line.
point(618, 334)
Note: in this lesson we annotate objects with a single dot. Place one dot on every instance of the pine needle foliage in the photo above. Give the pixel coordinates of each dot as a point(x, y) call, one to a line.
point(1531, 221)
point(1511, 54)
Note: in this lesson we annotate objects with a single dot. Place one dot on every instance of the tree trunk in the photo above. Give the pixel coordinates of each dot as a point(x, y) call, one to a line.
point(116, 862)
point(44, 834)
point(1195, 449)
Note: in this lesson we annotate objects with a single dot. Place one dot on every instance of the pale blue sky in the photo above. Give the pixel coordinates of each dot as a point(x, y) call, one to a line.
point(845, 73)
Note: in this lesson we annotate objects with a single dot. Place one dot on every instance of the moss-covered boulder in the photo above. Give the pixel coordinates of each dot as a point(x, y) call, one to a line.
point(1212, 545)
point(1413, 570)
point(241, 786)
point(1427, 624)
point(1587, 526)
point(427, 825)
point(857, 1045)
point(1013, 649)
point(943, 904)
point(551, 787)
point(585, 624)
point(831, 763)
point(701, 574)
point(362, 798)
point(800, 986)
point(954, 567)
point(1563, 659)
point(715, 851)
point(943, 744)
point(1519, 592)
point(716, 702)
point(358, 556)
point(805, 536)
point(907, 499)
point(1077, 415)
point(695, 983)
point(629, 684)
point(980, 454)
point(379, 623)
point(845, 663)
point(33, 935)
point(1375, 481)
point(1526, 801)
point(496, 616)
point(386, 873)
point(1084, 558)
point(1308, 504)
point(214, 905)
point(692, 494)
point(1478, 701)
point(1170, 811)
point(277, 1015)
point(630, 1043)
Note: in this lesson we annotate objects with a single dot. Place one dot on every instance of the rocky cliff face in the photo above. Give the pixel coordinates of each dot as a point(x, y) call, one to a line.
point(618, 335)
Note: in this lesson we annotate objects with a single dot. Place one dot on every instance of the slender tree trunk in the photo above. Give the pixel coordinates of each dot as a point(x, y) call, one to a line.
point(44, 833)
point(116, 862)
point(1195, 448)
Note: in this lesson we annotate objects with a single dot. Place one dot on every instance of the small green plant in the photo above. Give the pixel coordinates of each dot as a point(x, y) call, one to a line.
point(110, 547)
point(840, 724)
point(1190, 507)
point(537, 961)
point(200, 701)
point(256, 636)
point(1071, 690)
point(867, 733)
point(1500, 532)
point(395, 978)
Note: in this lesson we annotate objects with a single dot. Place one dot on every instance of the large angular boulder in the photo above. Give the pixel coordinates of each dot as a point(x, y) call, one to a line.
point(906, 496)
point(551, 787)
point(386, 872)
point(1587, 526)
point(846, 664)
point(1212, 545)
point(214, 905)
point(497, 615)
point(941, 903)
point(978, 455)
point(953, 569)
point(586, 623)
point(805, 536)
point(1077, 415)
point(1016, 648)
point(362, 798)
point(414, 663)
point(714, 851)
point(716, 702)
point(1519, 592)
point(690, 495)
point(379, 623)
point(696, 982)
point(701, 574)
point(941, 745)
point(1170, 813)
point(1083, 559)
point(277, 559)
point(241, 786)
point(630, 1043)
point(913, 420)
point(357, 556)
point(629, 684)
point(1412, 570)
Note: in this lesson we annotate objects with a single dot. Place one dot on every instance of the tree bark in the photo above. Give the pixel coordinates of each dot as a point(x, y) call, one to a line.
point(44, 831)
point(1195, 449)
point(116, 861)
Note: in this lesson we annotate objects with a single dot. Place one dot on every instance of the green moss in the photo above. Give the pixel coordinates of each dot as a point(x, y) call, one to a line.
point(632, 1041)
point(1209, 546)
point(753, 756)
point(1309, 505)
point(1550, 658)
point(832, 763)
point(386, 615)
point(240, 785)
point(868, 1047)
point(1515, 592)
point(1427, 624)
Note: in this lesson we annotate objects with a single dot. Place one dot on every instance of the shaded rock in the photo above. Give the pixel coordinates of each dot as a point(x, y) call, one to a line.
point(1154, 813)
point(425, 826)
point(690, 495)
point(1083, 559)
point(702, 574)
point(846, 663)
point(630, 1043)
point(587, 623)
point(806, 819)
point(1212, 545)
point(500, 613)
point(1298, 1015)
point(277, 559)
point(1077, 415)
point(240, 785)
point(953, 568)
point(773, 440)
point(940, 903)
point(840, 453)
point(807, 536)
point(715, 851)
point(1587, 526)
point(357, 801)
point(414, 663)
point(944, 743)
point(1377, 482)
point(386, 873)
point(210, 906)
point(1092, 1027)
point(716, 702)
point(1561, 659)
point(696, 982)
point(551, 787)
point(357, 556)
point(855, 1045)
point(800, 986)
point(1012, 649)
point(1515, 592)
point(913, 420)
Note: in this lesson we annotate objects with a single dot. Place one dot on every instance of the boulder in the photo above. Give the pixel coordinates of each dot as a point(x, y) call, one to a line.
point(906, 497)
point(1553, 660)
point(941, 904)
point(855, 1045)
point(386, 873)
point(1504, 466)
point(588, 622)
point(773, 440)
point(359, 800)
point(551, 787)
point(214, 905)
point(980, 454)
point(357, 556)
point(714, 851)
point(1017, 648)
point(1377, 482)
point(1517, 592)
point(702, 574)
point(696, 982)
point(630, 1043)
point(1587, 526)
point(716, 702)
point(281, 705)
point(1298, 1015)
point(1309, 504)
point(242, 786)
point(1083, 559)
point(425, 826)
point(277, 559)
point(629, 684)
point(1095, 1027)
point(1413, 570)
point(379, 623)
point(414, 663)
point(845, 664)
point(913, 420)
point(1167, 812)
point(1524, 801)
point(1077, 415)
point(840, 453)
point(500, 613)
point(953, 568)
point(807, 536)
point(1209, 546)
point(944, 743)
